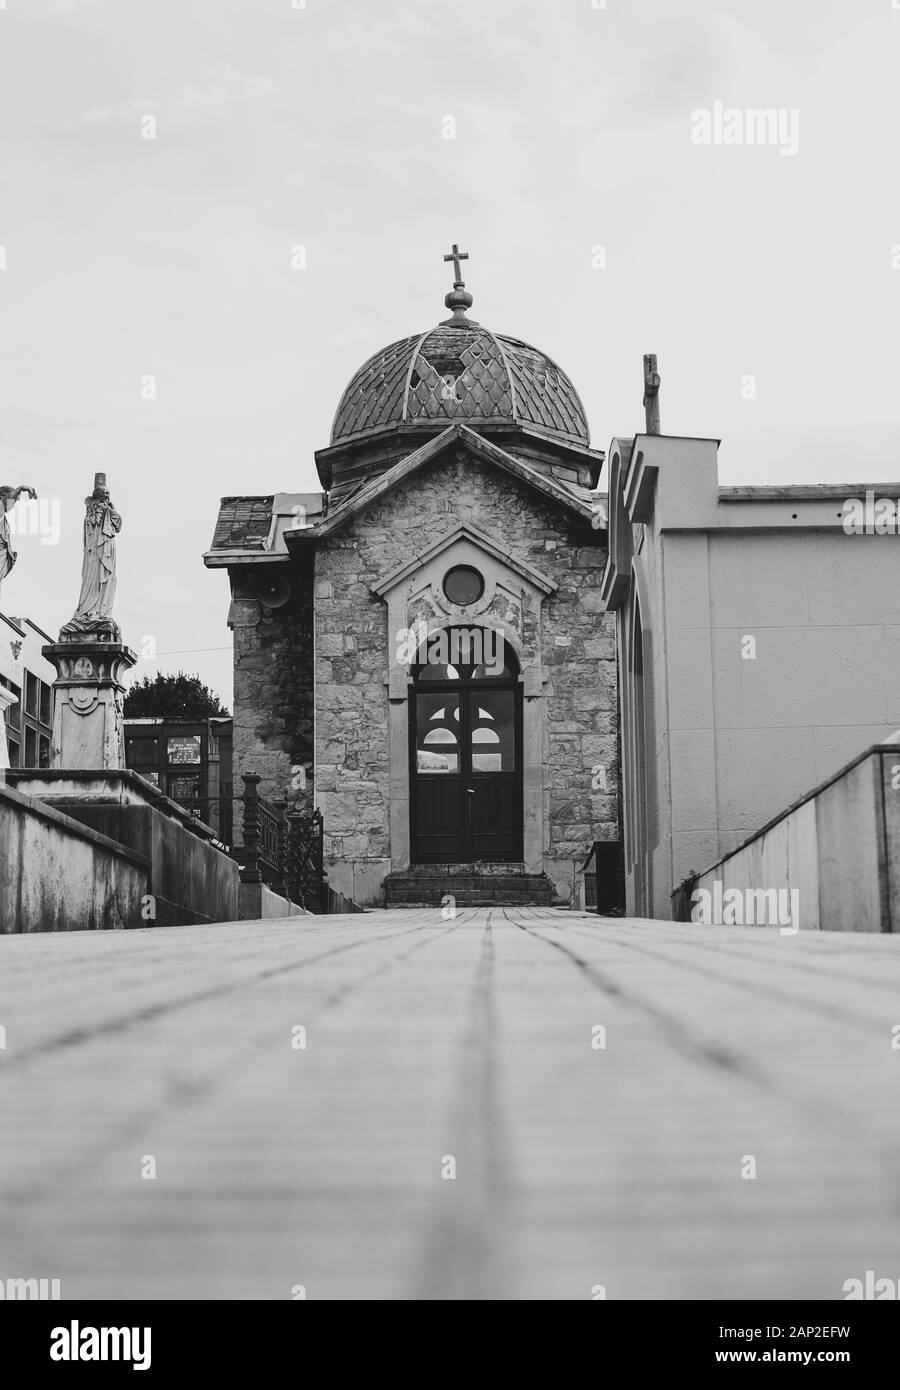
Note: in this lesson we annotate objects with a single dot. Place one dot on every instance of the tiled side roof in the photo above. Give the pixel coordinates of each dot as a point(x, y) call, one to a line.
point(243, 523)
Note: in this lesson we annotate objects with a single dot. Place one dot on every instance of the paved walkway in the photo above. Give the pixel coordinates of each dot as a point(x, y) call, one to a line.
point(428, 1041)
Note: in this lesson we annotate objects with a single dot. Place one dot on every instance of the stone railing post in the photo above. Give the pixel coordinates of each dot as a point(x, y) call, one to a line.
point(292, 889)
point(250, 873)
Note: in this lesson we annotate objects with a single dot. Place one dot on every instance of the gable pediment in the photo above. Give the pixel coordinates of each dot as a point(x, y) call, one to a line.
point(418, 603)
point(464, 544)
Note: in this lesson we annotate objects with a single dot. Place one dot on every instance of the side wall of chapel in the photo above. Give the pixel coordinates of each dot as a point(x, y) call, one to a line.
point(273, 686)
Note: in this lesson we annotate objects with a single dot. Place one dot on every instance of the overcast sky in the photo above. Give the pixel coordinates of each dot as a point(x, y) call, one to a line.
point(324, 127)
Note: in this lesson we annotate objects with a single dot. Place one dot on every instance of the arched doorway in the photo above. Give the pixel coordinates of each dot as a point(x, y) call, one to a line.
point(466, 750)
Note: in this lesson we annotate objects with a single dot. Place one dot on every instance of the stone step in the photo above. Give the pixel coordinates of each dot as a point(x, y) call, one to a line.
point(533, 883)
point(424, 894)
point(483, 868)
point(489, 886)
point(463, 905)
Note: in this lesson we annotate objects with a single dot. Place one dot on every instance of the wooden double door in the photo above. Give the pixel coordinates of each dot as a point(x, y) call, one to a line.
point(465, 765)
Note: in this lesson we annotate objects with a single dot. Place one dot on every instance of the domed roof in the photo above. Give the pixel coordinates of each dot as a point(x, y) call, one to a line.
point(460, 371)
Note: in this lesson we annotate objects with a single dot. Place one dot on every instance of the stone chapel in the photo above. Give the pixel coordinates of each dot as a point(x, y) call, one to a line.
point(421, 649)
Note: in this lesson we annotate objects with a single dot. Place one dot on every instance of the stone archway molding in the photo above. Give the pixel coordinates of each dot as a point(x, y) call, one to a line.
point(511, 604)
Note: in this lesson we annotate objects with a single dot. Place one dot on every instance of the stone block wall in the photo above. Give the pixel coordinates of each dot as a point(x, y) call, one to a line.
point(273, 685)
point(577, 648)
point(351, 756)
point(581, 740)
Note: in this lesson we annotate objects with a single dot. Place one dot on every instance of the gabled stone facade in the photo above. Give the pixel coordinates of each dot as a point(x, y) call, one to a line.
point(567, 647)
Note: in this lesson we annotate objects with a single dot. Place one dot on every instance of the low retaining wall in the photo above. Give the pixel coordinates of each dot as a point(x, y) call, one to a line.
point(260, 903)
point(192, 882)
point(837, 851)
point(338, 903)
point(58, 875)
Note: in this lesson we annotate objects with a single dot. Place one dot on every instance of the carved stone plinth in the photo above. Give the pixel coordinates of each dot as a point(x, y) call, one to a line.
point(88, 723)
point(7, 698)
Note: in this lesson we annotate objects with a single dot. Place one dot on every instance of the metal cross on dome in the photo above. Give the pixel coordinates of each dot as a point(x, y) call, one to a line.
point(456, 256)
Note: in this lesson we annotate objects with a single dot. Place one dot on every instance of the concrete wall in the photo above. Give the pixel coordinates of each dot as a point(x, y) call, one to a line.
point(191, 881)
point(783, 663)
point(648, 849)
point(259, 903)
point(824, 609)
point(771, 653)
point(58, 875)
point(838, 849)
point(21, 643)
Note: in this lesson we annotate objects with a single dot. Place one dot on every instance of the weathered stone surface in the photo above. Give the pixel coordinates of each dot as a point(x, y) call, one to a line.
point(88, 719)
point(601, 648)
point(273, 698)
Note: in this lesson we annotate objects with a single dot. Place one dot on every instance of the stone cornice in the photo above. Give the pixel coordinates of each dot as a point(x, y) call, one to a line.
point(455, 434)
point(222, 559)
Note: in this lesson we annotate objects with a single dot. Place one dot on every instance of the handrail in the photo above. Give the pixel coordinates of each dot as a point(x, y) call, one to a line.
point(283, 847)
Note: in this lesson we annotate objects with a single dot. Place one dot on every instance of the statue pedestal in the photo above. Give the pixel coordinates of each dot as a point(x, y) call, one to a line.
point(88, 723)
point(7, 698)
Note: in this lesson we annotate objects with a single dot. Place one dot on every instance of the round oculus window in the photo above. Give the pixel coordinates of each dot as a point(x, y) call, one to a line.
point(463, 585)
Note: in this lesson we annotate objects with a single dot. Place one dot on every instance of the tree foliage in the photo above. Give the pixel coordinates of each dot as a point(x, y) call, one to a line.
point(168, 696)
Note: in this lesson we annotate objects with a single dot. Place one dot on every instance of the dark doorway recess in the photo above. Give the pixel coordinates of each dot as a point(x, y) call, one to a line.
point(466, 755)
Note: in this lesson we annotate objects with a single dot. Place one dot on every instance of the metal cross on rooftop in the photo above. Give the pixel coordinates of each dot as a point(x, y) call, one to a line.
point(456, 256)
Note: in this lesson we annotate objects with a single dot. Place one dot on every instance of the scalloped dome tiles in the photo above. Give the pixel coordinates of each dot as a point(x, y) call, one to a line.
point(460, 373)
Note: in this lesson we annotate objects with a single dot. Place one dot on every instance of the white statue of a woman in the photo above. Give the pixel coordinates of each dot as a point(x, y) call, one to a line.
point(102, 523)
point(9, 496)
